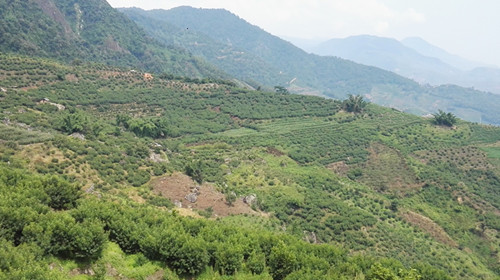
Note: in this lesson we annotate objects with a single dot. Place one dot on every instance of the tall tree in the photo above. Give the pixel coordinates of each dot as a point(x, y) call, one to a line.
point(443, 118)
point(354, 104)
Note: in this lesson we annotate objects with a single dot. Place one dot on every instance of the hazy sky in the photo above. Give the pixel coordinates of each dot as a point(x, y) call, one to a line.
point(469, 28)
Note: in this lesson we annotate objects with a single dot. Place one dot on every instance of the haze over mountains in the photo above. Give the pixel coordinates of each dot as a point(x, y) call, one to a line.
point(413, 58)
point(144, 149)
point(427, 49)
point(215, 43)
point(258, 58)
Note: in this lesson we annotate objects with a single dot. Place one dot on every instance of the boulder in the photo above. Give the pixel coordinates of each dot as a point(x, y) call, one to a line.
point(78, 136)
point(178, 204)
point(192, 197)
point(250, 199)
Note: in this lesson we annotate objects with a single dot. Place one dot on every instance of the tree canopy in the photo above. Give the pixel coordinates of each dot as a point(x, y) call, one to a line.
point(443, 118)
point(354, 104)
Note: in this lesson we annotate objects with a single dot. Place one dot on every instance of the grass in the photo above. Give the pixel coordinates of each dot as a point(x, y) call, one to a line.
point(492, 152)
point(387, 169)
point(114, 263)
point(134, 266)
point(238, 132)
point(22, 136)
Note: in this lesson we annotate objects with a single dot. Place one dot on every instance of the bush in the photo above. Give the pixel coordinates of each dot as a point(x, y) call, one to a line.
point(192, 257)
point(21, 262)
point(60, 235)
point(256, 262)
point(282, 261)
point(228, 259)
point(62, 194)
point(87, 240)
point(139, 178)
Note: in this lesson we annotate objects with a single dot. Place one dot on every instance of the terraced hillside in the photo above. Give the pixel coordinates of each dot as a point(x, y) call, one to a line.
point(250, 54)
point(276, 185)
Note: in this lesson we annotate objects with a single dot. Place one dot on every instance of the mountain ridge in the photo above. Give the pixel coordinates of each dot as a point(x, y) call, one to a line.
point(253, 39)
point(388, 54)
point(413, 58)
point(311, 74)
point(428, 49)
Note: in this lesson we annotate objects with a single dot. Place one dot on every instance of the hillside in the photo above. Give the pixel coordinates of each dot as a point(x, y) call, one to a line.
point(104, 184)
point(90, 31)
point(257, 57)
point(240, 63)
point(332, 76)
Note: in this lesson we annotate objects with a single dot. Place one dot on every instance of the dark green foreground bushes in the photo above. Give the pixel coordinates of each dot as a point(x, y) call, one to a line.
point(38, 222)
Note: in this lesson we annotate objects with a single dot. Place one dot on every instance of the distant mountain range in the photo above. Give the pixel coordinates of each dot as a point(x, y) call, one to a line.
point(255, 56)
point(215, 43)
point(252, 55)
point(425, 48)
point(413, 58)
point(137, 149)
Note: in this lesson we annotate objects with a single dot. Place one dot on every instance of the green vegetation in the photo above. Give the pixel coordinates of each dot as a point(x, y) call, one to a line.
point(354, 104)
point(443, 118)
point(493, 152)
point(111, 173)
point(88, 231)
point(77, 32)
point(378, 194)
point(262, 60)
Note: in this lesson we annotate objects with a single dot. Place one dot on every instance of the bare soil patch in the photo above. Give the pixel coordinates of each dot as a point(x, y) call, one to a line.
point(177, 186)
point(275, 152)
point(429, 226)
point(339, 168)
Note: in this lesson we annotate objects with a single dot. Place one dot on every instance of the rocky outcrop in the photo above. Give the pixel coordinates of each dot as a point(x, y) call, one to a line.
point(50, 9)
point(250, 199)
point(78, 136)
point(192, 197)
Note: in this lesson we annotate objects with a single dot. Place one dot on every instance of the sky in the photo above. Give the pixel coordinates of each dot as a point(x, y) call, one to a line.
point(468, 28)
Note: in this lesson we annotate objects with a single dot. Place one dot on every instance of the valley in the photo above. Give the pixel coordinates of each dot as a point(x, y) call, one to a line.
point(115, 168)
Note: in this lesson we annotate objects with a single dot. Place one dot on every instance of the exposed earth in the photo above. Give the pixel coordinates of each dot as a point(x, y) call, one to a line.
point(179, 188)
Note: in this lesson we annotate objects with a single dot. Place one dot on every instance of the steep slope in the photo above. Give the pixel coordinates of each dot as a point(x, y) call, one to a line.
point(91, 31)
point(333, 76)
point(278, 62)
point(240, 63)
